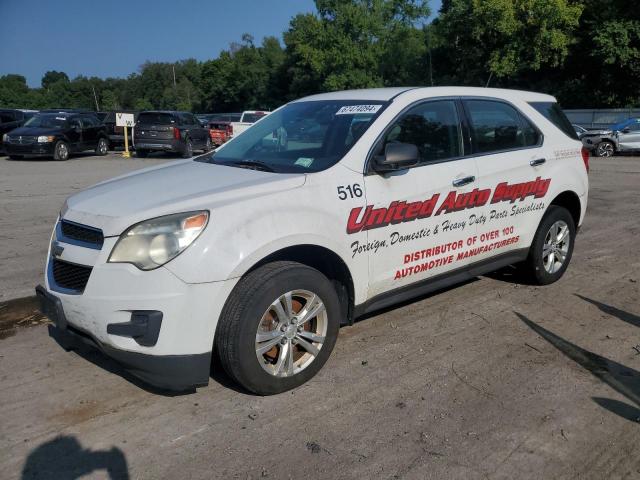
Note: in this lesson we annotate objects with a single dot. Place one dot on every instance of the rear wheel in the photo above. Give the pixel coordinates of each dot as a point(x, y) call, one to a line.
point(61, 151)
point(188, 149)
point(141, 153)
point(605, 149)
point(278, 327)
point(103, 147)
point(16, 157)
point(552, 247)
point(207, 145)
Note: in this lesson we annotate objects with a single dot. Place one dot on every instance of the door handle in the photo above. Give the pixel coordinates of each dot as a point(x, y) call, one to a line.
point(537, 162)
point(461, 182)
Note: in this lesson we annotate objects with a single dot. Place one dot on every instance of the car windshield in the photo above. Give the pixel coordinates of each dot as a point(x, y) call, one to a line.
point(47, 121)
point(300, 137)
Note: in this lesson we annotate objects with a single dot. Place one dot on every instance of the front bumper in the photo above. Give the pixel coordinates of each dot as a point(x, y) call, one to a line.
point(30, 150)
point(176, 355)
point(170, 372)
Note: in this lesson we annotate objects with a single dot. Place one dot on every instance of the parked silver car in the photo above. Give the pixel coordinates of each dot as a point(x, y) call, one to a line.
point(627, 135)
point(599, 142)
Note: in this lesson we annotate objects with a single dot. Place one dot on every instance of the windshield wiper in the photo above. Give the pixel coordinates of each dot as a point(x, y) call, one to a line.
point(252, 164)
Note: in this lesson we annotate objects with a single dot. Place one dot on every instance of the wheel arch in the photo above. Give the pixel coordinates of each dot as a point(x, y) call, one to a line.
point(328, 263)
point(571, 201)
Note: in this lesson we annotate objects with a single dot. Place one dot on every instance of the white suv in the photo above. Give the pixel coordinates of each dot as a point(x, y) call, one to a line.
point(330, 207)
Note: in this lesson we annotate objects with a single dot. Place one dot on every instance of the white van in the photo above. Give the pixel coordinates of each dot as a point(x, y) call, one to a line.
point(261, 250)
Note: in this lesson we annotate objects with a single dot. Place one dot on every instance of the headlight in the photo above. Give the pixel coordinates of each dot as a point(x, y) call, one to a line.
point(45, 139)
point(152, 243)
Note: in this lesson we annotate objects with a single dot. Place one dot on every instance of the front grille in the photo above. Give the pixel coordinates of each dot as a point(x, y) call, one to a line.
point(70, 276)
point(22, 139)
point(82, 233)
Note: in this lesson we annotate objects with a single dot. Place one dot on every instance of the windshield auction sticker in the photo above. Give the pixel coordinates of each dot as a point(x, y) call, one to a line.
point(354, 109)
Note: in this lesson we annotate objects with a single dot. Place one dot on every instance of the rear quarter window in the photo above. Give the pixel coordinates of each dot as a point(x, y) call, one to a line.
point(553, 112)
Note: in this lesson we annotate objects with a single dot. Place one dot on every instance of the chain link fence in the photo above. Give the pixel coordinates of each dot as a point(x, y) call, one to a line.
point(601, 118)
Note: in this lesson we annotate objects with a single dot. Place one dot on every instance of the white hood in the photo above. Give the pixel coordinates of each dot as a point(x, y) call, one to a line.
point(116, 204)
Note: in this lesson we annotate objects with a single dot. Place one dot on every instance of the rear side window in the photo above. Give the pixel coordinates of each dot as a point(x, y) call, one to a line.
point(156, 117)
point(553, 112)
point(433, 127)
point(496, 126)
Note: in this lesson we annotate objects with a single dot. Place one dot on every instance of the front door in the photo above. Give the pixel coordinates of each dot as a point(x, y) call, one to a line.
point(629, 138)
point(417, 220)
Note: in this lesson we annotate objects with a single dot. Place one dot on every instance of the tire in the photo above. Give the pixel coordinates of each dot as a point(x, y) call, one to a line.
point(103, 147)
point(16, 157)
point(542, 267)
point(207, 146)
point(61, 151)
point(142, 153)
point(188, 149)
point(605, 149)
point(250, 310)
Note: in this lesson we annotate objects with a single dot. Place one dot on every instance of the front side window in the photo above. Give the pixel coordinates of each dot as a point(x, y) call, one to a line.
point(496, 126)
point(300, 137)
point(433, 127)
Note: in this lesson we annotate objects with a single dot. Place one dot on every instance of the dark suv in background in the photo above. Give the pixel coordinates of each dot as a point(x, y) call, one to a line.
point(115, 133)
point(168, 131)
point(57, 135)
point(11, 119)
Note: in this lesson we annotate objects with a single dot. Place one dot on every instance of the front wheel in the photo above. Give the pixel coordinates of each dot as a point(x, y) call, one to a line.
point(103, 147)
point(605, 149)
point(207, 145)
point(552, 247)
point(278, 327)
point(61, 151)
point(141, 153)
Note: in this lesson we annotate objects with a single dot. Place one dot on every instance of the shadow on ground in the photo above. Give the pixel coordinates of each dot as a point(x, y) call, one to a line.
point(63, 458)
point(621, 378)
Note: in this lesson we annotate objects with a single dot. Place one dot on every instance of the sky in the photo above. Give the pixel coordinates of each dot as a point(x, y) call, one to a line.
point(112, 39)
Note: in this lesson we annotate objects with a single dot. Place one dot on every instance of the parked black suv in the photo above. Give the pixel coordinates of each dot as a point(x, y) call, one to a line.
point(11, 119)
point(57, 135)
point(164, 131)
point(115, 133)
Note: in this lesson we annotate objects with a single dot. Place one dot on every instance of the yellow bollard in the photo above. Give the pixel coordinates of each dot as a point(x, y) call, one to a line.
point(126, 153)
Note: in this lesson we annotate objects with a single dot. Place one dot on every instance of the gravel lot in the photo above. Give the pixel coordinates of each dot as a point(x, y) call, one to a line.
point(490, 379)
point(31, 194)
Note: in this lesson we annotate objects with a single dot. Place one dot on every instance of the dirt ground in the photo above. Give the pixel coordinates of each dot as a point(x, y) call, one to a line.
point(491, 379)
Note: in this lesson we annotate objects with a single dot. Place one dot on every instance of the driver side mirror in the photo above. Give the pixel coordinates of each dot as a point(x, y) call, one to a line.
point(397, 156)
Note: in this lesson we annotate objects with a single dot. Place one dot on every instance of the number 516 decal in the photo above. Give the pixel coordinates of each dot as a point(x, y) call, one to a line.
point(349, 191)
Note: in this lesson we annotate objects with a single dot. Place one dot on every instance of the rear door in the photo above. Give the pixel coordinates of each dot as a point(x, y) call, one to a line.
point(196, 129)
point(74, 133)
point(513, 165)
point(417, 220)
point(90, 126)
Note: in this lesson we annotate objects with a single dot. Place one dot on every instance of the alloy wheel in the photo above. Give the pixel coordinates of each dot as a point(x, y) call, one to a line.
point(605, 149)
point(556, 247)
point(291, 333)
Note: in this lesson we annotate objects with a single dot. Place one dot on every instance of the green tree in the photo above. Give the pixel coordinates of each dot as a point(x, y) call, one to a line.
point(503, 39)
point(352, 44)
point(53, 76)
